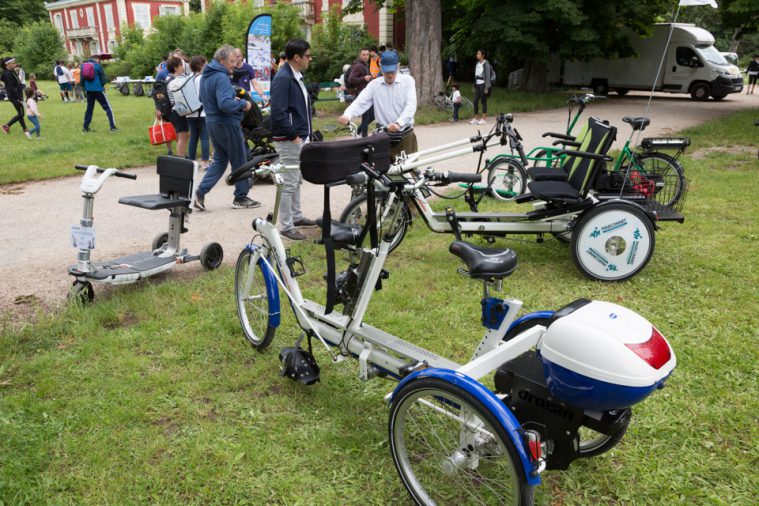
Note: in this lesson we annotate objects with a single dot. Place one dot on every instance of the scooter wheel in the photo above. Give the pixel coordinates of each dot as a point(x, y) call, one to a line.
point(594, 443)
point(81, 292)
point(211, 256)
point(613, 242)
point(159, 240)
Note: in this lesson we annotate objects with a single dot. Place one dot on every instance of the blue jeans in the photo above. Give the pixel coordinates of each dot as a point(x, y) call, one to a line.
point(103, 101)
point(198, 130)
point(36, 122)
point(228, 148)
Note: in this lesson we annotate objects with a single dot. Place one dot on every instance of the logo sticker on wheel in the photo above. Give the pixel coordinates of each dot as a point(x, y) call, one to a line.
point(614, 226)
point(595, 233)
point(637, 234)
point(633, 251)
point(597, 256)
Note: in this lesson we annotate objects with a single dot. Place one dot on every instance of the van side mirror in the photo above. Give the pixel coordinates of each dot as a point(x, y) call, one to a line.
point(695, 62)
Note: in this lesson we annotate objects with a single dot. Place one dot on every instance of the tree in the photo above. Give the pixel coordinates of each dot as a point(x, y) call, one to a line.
point(742, 16)
point(23, 12)
point(37, 47)
point(528, 34)
point(335, 44)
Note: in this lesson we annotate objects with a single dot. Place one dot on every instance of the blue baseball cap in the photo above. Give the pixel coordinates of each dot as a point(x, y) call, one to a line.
point(389, 61)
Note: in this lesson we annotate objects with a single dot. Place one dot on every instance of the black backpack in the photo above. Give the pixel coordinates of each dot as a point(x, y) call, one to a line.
point(348, 87)
point(161, 98)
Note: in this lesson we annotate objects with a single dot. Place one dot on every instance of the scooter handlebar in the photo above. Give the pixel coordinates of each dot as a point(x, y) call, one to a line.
point(117, 173)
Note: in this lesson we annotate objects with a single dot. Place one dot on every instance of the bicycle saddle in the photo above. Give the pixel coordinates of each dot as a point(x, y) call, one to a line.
point(639, 123)
point(485, 263)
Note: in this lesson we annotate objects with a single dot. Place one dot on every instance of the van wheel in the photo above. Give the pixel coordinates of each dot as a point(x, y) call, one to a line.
point(600, 87)
point(700, 91)
point(622, 91)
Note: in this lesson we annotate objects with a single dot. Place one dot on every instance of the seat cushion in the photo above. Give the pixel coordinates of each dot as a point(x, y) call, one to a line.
point(485, 263)
point(547, 174)
point(552, 190)
point(154, 202)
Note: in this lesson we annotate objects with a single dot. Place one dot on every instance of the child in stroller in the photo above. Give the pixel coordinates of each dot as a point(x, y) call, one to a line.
point(256, 129)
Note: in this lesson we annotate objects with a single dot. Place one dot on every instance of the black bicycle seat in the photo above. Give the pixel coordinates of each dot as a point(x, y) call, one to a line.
point(639, 123)
point(485, 263)
point(343, 234)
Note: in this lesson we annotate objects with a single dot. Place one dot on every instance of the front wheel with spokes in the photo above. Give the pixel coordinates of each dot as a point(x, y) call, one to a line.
point(507, 179)
point(449, 448)
point(388, 222)
point(257, 300)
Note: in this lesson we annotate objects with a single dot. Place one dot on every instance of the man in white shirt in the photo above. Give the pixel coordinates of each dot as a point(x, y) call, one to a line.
point(61, 75)
point(394, 99)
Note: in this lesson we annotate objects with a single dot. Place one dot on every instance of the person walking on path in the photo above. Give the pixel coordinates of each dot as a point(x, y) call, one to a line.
point(753, 74)
point(181, 123)
point(197, 120)
point(223, 118)
point(291, 129)
point(15, 93)
point(482, 82)
point(358, 79)
point(96, 92)
point(59, 71)
point(394, 99)
point(32, 112)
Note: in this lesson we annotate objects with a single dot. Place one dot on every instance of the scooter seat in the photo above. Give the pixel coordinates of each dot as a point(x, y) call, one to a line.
point(153, 202)
point(485, 263)
point(639, 123)
point(343, 234)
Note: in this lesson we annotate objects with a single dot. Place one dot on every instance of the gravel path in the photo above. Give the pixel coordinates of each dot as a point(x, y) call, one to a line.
point(38, 216)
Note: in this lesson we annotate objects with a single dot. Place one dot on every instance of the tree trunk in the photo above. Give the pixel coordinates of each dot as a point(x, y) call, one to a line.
point(424, 40)
point(535, 77)
point(735, 41)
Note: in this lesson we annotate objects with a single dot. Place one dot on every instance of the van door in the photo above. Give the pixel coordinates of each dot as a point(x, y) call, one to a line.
point(681, 69)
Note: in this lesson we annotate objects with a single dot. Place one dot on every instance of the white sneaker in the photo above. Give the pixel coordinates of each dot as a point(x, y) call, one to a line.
point(474, 122)
point(28, 135)
point(482, 122)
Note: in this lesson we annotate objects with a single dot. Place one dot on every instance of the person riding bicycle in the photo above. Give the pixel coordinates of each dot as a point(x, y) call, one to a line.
point(394, 100)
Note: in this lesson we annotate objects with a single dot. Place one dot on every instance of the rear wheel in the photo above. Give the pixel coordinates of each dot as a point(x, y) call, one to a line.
point(442, 103)
point(594, 443)
point(449, 448)
point(667, 175)
point(356, 211)
point(613, 242)
point(254, 308)
point(507, 179)
point(159, 241)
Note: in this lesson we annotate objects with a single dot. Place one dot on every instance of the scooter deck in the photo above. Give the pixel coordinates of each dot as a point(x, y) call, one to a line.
point(127, 268)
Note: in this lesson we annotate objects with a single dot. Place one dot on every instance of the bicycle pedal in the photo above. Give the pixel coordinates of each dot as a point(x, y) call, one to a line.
point(295, 264)
point(299, 365)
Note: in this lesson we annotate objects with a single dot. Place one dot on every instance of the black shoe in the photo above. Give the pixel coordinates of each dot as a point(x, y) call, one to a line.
point(245, 203)
point(114, 130)
point(200, 202)
point(293, 234)
point(86, 130)
point(305, 223)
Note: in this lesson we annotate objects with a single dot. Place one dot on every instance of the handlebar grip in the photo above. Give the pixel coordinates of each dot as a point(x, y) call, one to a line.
point(462, 177)
point(125, 175)
point(81, 167)
point(357, 179)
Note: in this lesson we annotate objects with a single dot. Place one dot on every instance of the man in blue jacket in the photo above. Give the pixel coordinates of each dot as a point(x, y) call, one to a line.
point(95, 89)
point(291, 129)
point(223, 118)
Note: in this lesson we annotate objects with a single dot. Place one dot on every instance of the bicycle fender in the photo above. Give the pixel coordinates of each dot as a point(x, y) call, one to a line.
point(651, 215)
point(272, 290)
point(530, 316)
point(490, 401)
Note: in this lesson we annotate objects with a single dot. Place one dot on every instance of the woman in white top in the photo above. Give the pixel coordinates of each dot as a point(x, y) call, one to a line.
point(197, 120)
point(482, 79)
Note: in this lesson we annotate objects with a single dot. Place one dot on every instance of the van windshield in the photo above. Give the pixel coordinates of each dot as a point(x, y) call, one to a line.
point(710, 53)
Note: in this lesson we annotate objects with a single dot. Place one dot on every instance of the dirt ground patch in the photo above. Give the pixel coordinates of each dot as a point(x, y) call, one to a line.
point(702, 153)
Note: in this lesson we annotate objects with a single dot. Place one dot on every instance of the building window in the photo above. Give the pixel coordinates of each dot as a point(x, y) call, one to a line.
point(142, 15)
point(90, 17)
point(58, 20)
point(258, 3)
point(108, 8)
point(94, 47)
point(74, 19)
point(169, 10)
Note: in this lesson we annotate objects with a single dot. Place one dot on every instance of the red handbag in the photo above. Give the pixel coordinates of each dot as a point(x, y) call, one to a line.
point(161, 133)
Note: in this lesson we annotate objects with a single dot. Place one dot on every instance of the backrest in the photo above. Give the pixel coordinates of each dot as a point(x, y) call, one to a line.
point(583, 138)
point(175, 176)
point(331, 162)
point(584, 171)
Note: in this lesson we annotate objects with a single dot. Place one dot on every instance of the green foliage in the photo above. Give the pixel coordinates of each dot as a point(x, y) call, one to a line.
point(335, 44)
point(286, 25)
point(7, 35)
point(37, 46)
point(22, 12)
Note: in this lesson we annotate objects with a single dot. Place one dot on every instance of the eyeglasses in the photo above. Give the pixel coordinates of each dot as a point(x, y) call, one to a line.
point(308, 55)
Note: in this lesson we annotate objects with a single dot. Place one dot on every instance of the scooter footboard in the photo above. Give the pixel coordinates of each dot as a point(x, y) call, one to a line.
point(492, 403)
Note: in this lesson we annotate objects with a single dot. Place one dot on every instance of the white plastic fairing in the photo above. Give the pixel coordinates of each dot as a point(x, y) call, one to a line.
point(592, 342)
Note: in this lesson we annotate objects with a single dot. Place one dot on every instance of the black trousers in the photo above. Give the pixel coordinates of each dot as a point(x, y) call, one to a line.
point(479, 94)
point(19, 114)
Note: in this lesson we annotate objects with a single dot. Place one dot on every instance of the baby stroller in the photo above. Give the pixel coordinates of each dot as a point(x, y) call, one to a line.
point(256, 129)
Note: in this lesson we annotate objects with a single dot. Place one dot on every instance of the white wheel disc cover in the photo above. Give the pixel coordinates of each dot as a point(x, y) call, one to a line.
point(613, 244)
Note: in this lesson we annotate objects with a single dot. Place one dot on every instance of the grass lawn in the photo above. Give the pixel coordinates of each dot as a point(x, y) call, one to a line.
point(63, 144)
point(152, 395)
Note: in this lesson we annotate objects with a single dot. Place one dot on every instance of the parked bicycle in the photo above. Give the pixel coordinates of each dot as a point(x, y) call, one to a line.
point(444, 101)
point(452, 439)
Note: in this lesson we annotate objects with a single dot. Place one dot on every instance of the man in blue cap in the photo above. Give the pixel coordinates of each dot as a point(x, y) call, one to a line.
point(394, 99)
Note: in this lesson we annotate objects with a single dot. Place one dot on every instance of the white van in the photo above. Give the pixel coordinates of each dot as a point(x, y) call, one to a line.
point(691, 65)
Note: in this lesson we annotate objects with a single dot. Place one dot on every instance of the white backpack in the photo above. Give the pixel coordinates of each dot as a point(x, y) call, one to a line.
point(184, 95)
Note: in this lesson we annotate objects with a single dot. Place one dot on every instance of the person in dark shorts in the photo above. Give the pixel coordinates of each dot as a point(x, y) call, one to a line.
point(753, 74)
